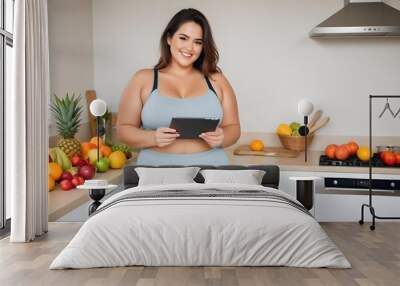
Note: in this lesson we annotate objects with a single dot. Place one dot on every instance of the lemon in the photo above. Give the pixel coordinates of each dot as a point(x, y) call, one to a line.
point(284, 129)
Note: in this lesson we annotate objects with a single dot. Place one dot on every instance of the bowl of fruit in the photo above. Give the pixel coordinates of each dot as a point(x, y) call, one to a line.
point(290, 137)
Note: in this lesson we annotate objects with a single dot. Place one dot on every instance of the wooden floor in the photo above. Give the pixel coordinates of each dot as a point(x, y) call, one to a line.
point(375, 257)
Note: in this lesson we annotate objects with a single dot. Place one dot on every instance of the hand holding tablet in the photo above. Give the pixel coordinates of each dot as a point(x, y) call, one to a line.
point(191, 128)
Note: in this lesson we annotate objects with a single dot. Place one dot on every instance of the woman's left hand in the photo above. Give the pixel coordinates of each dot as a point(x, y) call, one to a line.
point(215, 138)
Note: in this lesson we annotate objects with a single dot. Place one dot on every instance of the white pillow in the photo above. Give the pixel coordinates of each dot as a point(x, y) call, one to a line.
point(163, 176)
point(248, 177)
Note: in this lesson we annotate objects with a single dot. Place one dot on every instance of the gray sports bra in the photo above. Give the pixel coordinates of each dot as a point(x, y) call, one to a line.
point(158, 110)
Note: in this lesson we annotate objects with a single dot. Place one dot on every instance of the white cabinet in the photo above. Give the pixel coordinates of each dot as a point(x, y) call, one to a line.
point(345, 206)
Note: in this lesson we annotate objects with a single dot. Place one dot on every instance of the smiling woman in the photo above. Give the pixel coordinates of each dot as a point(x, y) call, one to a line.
point(186, 82)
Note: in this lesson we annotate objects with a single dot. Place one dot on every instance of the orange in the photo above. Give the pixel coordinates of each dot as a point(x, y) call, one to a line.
point(86, 147)
point(363, 153)
point(353, 147)
point(105, 150)
point(94, 141)
point(117, 159)
point(55, 171)
point(342, 152)
point(330, 151)
point(256, 145)
point(51, 183)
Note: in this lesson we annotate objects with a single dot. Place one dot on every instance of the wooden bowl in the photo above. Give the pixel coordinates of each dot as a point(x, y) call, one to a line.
point(295, 143)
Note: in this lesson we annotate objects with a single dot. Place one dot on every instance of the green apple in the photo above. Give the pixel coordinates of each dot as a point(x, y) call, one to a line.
point(296, 133)
point(92, 154)
point(102, 165)
point(295, 126)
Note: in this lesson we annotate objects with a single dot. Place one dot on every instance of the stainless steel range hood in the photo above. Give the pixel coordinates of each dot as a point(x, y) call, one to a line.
point(361, 19)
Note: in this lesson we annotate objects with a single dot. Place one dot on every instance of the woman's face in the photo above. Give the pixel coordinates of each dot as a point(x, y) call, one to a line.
point(186, 44)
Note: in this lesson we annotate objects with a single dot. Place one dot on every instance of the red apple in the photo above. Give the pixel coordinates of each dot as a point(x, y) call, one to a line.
point(66, 176)
point(77, 180)
point(75, 159)
point(87, 172)
point(66, 185)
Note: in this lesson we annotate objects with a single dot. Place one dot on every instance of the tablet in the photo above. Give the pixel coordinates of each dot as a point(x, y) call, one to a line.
point(191, 128)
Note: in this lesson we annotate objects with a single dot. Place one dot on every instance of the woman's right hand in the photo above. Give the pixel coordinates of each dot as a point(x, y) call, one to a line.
point(165, 136)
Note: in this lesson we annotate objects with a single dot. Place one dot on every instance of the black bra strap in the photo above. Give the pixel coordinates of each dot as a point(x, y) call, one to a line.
point(155, 83)
point(209, 84)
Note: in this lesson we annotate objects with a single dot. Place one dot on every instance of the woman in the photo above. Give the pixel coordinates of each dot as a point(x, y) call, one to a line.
point(186, 82)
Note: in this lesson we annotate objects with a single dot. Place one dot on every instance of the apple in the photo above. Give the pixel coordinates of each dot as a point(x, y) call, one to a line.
point(75, 160)
point(87, 172)
point(66, 176)
point(77, 180)
point(92, 154)
point(102, 165)
point(66, 185)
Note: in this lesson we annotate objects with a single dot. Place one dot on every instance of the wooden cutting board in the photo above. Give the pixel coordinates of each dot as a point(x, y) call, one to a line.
point(268, 152)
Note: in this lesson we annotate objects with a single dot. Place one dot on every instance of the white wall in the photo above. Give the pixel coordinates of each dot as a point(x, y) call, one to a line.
point(265, 52)
point(71, 48)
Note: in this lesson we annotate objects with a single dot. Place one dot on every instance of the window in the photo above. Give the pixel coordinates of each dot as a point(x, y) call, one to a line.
point(6, 44)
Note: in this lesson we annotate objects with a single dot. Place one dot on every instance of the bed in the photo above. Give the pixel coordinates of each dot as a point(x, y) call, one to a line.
point(201, 224)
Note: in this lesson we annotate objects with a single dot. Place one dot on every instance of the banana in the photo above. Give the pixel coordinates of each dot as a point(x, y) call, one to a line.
point(59, 160)
point(65, 162)
point(53, 154)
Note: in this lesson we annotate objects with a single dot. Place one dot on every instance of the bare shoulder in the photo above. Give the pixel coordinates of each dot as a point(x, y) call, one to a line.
point(143, 76)
point(221, 83)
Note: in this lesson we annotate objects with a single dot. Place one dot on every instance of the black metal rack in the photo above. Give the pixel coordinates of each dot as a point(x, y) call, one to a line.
point(369, 205)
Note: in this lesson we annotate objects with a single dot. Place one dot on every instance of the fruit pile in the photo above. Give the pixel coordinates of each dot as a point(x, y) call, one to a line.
point(74, 170)
point(345, 151)
point(288, 130)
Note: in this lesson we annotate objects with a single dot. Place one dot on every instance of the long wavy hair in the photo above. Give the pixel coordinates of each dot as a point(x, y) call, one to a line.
point(208, 59)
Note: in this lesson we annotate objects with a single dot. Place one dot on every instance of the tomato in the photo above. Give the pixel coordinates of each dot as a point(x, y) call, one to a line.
point(389, 158)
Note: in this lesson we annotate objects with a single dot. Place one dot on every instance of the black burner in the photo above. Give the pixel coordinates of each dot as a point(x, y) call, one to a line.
point(354, 162)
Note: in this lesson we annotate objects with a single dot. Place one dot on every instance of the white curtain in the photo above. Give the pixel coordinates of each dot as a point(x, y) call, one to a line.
point(27, 132)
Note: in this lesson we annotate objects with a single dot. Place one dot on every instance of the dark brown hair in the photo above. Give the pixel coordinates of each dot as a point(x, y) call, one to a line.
point(208, 59)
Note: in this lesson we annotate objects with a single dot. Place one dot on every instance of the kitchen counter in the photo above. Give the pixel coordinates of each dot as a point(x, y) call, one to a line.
point(62, 202)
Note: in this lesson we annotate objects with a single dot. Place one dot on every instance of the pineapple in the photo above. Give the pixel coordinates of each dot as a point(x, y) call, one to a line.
point(67, 113)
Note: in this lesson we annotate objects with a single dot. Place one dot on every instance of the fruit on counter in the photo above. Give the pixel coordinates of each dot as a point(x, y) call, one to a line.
point(117, 159)
point(382, 154)
point(397, 155)
point(363, 153)
point(77, 180)
point(66, 176)
point(105, 150)
point(93, 140)
point(284, 129)
point(67, 112)
point(75, 160)
point(58, 156)
point(55, 170)
point(330, 151)
point(389, 159)
point(66, 185)
point(353, 147)
point(51, 183)
point(256, 145)
point(342, 152)
point(294, 126)
point(102, 165)
point(124, 148)
point(86, 147)
point(87, 172)
point(73, 170)
point(93, 156)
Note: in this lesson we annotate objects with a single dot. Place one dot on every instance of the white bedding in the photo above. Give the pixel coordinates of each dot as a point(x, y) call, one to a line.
point(200, 231)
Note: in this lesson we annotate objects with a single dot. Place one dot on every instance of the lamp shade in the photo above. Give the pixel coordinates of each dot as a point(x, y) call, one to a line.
point(98, 107)
point(305, 107)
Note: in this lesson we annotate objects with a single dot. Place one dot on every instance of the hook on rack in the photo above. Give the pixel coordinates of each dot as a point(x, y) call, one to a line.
point(387, 107)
